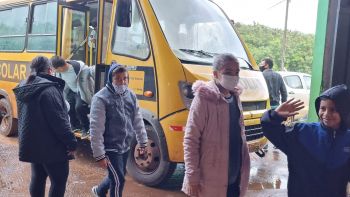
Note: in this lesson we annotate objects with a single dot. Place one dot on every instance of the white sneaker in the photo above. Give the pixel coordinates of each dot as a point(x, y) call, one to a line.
point(94, 191)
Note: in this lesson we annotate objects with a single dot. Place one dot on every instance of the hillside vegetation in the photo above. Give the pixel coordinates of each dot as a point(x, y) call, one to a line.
point(266, 42)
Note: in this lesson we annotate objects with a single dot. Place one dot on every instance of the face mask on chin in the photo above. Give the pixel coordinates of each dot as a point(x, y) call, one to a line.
point(229, 82)
point(119, 89)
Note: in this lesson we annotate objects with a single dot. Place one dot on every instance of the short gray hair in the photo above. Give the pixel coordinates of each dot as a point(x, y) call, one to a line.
point(222, 60)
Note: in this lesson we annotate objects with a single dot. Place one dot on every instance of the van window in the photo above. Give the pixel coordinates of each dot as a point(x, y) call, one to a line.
point(197, 30)
point(293, 81)
point(13, 28)
point(131, 40)
point(42, 36)
point(307, 81)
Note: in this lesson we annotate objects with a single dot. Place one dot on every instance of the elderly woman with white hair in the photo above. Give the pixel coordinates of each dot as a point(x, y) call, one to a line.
point(216, 154)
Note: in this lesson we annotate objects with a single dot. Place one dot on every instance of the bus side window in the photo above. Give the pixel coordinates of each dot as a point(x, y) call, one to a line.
point(42, 35)
point(132, 40)
point(13, 27)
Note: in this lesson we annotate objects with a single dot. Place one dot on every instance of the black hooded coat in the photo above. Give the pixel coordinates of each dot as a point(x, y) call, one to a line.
point(43, 125)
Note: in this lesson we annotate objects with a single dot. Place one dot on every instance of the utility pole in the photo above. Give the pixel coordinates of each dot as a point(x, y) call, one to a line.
point(284, 40)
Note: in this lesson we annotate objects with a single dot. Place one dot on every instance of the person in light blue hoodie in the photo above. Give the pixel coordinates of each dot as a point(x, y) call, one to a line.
point(115, 118)
point(78, 90)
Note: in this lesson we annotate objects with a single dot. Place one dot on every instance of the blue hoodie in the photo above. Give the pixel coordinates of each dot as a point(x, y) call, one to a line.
point(318, 157)
point(114, 120)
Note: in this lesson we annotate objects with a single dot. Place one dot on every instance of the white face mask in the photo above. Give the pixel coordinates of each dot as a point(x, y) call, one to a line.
point(119, 89)
point(229, 82)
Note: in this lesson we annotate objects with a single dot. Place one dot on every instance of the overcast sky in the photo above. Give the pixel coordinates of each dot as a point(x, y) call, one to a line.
point(302, 13)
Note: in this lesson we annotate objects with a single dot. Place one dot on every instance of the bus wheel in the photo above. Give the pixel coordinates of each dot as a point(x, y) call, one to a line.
point(8, 125)
point(151, 169)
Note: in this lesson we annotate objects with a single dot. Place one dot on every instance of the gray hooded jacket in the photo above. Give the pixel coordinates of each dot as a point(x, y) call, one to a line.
point(114, 120)
point(85, 81)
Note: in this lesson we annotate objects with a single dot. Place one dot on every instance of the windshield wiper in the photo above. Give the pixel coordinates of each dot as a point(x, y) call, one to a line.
point(249, 65)
point(198, 53)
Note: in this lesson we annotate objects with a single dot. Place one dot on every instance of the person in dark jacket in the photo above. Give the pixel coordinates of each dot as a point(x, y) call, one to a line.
point(274, 82)
point(114, 120)
point(318, 153)
point(45, 137)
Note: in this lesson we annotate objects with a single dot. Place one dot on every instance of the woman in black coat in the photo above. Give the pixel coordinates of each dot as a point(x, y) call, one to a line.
point(45, 137)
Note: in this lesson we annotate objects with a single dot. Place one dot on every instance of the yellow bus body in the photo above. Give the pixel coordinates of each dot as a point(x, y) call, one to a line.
point(158, 77)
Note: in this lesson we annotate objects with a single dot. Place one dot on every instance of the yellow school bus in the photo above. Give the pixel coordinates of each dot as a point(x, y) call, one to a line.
point(166, 45)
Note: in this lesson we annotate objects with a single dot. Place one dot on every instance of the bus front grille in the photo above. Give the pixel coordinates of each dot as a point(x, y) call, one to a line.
point(252, 106)
point(253, 132)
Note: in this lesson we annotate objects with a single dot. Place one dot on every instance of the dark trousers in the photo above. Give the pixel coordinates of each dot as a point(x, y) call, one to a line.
point(116, 175)
point(58, 174)
point(78, 112)
point(233, 189)
point(274, 104)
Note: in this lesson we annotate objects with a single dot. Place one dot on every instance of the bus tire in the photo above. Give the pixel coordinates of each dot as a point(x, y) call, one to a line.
point(152, 169)
point(8, 124)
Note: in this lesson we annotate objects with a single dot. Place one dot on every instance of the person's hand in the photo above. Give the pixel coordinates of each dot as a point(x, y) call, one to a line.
point(193, 190)
point(142, 151)
point(289, 108)
point(103, 163)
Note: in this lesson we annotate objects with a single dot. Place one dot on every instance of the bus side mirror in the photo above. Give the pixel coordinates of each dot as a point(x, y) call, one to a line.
point(124, 12)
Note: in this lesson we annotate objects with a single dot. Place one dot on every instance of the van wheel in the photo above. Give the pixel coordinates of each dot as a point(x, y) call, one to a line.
point(151, 169)
point(8, 125)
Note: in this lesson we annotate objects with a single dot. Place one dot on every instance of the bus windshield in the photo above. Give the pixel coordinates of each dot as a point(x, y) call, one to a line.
point(197, 30)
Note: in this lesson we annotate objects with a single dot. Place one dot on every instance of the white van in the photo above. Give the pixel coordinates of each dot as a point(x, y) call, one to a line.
point(298, 87)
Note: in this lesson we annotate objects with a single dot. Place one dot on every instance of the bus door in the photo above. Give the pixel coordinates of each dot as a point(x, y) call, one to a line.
point(130, 46)
point(103, 27)
point(72, 39)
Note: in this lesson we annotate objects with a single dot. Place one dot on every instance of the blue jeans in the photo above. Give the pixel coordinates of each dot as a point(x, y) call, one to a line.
point(115, 179)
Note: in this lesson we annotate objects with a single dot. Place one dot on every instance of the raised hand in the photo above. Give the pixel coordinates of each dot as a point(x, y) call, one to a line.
point(289, 108)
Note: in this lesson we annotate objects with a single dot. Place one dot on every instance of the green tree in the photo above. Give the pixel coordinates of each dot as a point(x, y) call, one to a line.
point(266, 42)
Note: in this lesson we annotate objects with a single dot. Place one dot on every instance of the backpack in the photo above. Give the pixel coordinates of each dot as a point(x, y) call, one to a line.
point(76, 66)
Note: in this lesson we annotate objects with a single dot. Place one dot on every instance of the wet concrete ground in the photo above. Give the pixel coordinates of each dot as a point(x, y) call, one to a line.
point(268, 175)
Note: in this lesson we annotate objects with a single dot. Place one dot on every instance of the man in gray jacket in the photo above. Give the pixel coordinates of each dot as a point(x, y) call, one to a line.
point(78, 91)
point(274, 81)
point(114, 120)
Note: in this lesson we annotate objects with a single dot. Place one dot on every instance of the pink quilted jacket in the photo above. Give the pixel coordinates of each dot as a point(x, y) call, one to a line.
point(206, 143)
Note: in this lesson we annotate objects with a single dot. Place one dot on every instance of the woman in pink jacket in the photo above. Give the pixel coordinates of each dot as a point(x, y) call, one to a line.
point(216, 155)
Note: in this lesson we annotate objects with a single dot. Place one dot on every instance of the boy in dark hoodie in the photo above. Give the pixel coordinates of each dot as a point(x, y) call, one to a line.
point(318, 153)
point(114, 119)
